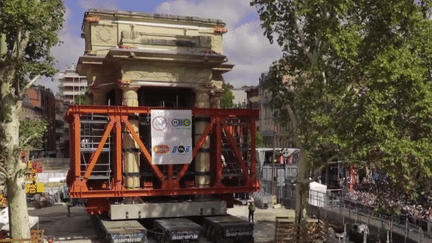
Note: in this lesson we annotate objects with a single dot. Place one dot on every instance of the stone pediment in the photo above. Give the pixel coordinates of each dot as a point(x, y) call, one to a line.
point(132, 49)
point(103, 30)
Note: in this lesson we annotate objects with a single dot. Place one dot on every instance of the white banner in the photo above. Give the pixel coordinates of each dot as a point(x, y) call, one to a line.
point(171, 132)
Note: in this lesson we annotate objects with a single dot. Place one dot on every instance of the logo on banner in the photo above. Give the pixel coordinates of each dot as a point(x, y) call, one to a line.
point(180, 149)
point(160, 123)
point(161, 149)
point(171, 136)
point(181, 122)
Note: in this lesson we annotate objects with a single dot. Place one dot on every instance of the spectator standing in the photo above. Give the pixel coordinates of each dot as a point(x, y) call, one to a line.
point(68, 206)
point(251, 210)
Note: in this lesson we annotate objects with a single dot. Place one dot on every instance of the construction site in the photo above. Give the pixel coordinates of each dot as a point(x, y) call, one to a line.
point(154, 157)
point(154, 150)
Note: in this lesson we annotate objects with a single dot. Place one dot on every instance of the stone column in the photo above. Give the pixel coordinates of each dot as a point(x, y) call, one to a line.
point(202, 158)
point(215, 98)
point(130, 147)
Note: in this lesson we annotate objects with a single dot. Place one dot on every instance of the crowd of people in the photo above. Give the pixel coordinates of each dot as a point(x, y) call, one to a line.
point(363, 193)
point(418, 211)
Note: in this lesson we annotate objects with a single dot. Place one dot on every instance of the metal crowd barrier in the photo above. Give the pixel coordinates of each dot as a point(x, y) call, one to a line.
point(336, 202)
point(366, 214)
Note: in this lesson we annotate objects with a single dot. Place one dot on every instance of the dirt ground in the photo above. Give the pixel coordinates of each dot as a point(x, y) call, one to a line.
point(79, 229)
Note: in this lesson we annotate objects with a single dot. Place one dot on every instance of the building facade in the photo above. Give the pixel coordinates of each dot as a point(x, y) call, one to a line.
point(38, 104)
point(256, 97)
point(31, 106)
point(71, 85)
point(252, 94)
point(62, 138)
point(240, 97)
point(274, 134)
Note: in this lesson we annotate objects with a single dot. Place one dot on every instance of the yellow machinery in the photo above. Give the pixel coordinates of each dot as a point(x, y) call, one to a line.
point(33, 186)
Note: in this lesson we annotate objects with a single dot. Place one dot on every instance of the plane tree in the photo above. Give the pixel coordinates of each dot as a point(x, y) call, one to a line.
point(354, 82)
point(28, 30)
point(227, 98)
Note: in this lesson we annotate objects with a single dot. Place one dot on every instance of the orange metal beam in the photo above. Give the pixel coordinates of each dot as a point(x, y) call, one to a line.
point(197, 147)
point(144, 150)
point(101, 144)
point(218, 152)
point(118, 153)
point(77, 144)
point(126, 110)
point(72, 148)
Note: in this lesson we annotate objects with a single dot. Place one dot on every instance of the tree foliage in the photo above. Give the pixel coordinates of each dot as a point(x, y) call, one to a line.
point(227, 98)
point(32, 133)
point(356, 75)
point(259, 140)
point(28, 30)
point(82, 99)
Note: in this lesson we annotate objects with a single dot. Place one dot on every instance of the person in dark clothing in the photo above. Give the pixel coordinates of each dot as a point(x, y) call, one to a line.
point(251, 211)
point(68, 206)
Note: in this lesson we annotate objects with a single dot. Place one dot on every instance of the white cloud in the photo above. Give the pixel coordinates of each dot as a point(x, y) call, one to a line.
point(244, 44)
point(99, 4)
point(248, 41)
point(227, 10)
point(66, 53)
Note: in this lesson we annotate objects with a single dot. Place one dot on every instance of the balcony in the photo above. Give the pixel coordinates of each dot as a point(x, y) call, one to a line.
point(74, 84)
point(68, 92)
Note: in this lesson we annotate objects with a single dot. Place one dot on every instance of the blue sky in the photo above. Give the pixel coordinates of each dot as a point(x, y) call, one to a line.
point(244, 44)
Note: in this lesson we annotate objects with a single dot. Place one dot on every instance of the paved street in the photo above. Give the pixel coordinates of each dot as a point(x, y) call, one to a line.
point(56, 223)
point(78, 227)
point(264, 230)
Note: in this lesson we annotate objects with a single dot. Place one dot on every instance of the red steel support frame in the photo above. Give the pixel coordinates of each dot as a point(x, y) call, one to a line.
point(117, 182)
point(170, 183)
point(76, 144)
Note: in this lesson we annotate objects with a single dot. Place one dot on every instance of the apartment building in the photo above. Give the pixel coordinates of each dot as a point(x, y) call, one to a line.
point(71, 85)
point(270, 128)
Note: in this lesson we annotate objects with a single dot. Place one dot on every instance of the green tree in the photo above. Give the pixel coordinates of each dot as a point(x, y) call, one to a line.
point(227, 98)
point(28, 30)
point(259, 140)
point(82, 99)
point(354, 83)
point(33, 132)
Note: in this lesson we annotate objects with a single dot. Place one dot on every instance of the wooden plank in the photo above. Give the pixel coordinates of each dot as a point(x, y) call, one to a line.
point(17, 240)
point(287, 231)
point(36, 237)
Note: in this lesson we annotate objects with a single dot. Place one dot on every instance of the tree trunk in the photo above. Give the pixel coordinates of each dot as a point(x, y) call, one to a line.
point(302, 185)
point(17, 202)
point(302, 189)
point(15, 167)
